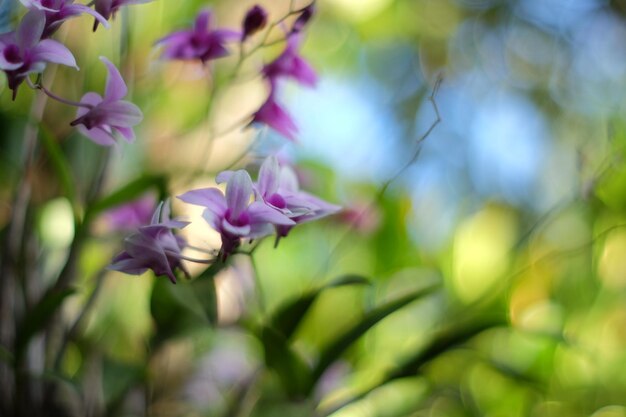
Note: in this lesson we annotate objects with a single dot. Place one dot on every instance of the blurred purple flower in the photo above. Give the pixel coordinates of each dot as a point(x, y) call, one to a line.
point(57, 11)
point(290, 64)
point(131, 215)
point(153, 247)
point(198, 43)
point(233, 216)
point(255, 20)
point(107, 8)
point(100, 117)
point(23, 52)
point(273, 115)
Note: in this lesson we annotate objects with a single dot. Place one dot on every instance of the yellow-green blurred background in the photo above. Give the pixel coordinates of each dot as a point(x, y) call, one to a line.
point(516, 206)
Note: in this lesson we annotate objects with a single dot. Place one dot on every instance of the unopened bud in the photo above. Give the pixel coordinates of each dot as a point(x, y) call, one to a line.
point(255, 20)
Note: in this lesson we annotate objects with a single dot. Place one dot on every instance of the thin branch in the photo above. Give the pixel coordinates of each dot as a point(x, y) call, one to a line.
point(383, 189)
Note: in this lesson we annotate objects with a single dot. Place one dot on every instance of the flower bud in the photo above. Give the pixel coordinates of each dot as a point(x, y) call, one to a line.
point(255, 20)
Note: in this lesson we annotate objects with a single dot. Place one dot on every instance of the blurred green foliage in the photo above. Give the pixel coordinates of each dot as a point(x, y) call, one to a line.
point(469, 295)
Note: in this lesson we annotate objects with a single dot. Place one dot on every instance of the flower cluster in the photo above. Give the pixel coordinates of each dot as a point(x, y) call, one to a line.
point(202, 42)
point(28, 50)
point(247, 210)
point(289, 64)
point(25, 51)
point(252, 210)
point(99, 118)
point(153, 247)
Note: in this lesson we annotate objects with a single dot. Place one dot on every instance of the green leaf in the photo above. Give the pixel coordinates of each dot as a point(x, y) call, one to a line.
point(443, 341)
point(129, 192)
point(205, 293)
point(174, 309)
point(38, 318)
point(291, 369)
point(186, 305)
point(339, 345)
point(287, 318)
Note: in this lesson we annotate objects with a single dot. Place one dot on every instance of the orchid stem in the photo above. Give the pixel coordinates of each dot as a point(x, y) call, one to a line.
point(187, 258)
point(40, 86)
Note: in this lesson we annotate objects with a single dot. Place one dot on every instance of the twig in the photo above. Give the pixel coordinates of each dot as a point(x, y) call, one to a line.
point(383, 189)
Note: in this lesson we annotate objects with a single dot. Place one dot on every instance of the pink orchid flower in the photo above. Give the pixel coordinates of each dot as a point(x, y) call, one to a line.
point(58, 11)
point(100, 118)
point(233, 215)
point(23, 52)
point(201, 42)
point(153, 247)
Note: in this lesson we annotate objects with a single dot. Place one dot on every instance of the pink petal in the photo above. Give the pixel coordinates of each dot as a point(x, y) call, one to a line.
point(97, 135)
point(121, 113)
point(76, 9)
point(203, 21)
point(241, 231)
point(211, 198)
point(52, 51)
point(269, 176)
point(288, 180)
point(224, 176)
point(238, 191)
point(30, 28)
point(261, 213)
point(115, 86)
point(126, 132)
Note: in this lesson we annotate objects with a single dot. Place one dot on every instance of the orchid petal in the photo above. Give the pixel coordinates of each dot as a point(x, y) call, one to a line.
point(115, 86)
point(288, 180)
point(36, 4)
point(31, 28)
point(235, 230)
point(203, 21)
point(238, 191)
point(261, 213)
point(121, 113)
point(269, 176)
point(213, 219)
point(49, 50)
point(224, 176)
point(211, 198)
point(127, 133)
point(156, 216)
point(98, 135)
point(76, 9)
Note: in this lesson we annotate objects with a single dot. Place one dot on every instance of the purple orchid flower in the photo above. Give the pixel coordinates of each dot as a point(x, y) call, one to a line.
point(58, 11)
point(108, 8)
point(290, 64)
point(255, 20)
point(278, 187)
point(99, 118)
point(23, 52)
point(153, 247)
point(198, 43)
point(233, 216)
point(273, 115)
